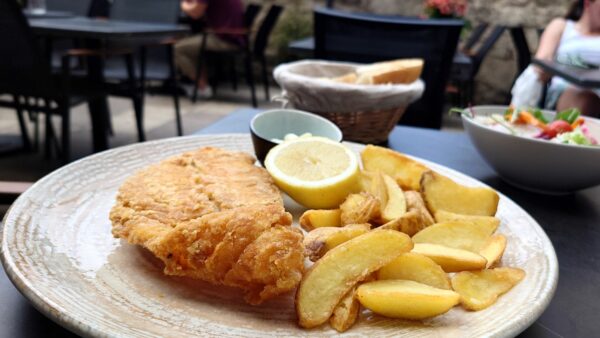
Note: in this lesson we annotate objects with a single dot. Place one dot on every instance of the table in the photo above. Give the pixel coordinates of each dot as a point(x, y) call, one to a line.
point(582, 77)
point(96, 33)
point(572, 222)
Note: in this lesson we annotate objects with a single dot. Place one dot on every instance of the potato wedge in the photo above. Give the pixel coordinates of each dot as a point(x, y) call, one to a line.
point(458, 235)
point(418, 268)
point(451, 259)
point(404, 170)
point(317, 218)
point(372, 182)
point(480, 289)
point(405, 299)
point(410, 223)
point(331, 277)
point(345, 313)
point(321, 240)
point(359, 208)
point(490, 223)
point(442, 193)
point(415, 202)
point(396, 203)
point(493, 250)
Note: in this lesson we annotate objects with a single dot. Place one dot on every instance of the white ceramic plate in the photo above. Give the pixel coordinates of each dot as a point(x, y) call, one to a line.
point(58, 250)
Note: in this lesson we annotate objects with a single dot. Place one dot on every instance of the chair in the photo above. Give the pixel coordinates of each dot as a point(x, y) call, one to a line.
point(25, 73)
point(369, 38)
point(252, 51)
point(476, 51)
point(156, 61)
point(77, 7)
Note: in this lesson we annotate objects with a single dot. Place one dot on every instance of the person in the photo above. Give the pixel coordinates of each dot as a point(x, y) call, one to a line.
point(221, 16)
point(574, 38)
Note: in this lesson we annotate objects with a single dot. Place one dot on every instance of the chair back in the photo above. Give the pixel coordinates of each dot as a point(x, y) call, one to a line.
point(77, 7)
point(485, 48)
point(264, 31)
point(370, 38)
point(156, 11)
point(250, 14)
point(23, 69)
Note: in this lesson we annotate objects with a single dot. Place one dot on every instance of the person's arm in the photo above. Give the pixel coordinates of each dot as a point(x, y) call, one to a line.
point(195, 9)
point(549, 44)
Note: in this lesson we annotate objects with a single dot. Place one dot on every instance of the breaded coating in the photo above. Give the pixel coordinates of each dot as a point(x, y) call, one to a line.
point(213, 215)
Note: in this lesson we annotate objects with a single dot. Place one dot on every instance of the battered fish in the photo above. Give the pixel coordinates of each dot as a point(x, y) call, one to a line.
point(211, 214)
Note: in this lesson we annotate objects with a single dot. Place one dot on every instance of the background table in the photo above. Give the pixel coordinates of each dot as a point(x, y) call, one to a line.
point(572, 222)
point(96, 32)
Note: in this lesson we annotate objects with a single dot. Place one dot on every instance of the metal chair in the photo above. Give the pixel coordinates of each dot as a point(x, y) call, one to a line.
point(476, 51)
point(369, 38)
point(26, 76)
point(252, 51)
point(156, 61)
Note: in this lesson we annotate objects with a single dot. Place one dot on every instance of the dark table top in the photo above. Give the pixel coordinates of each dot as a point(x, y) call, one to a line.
point(582, 77)
point(572, 222)
point(84, 27)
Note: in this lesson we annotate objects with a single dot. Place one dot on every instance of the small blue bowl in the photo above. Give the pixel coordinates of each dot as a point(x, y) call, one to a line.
point(274, 124)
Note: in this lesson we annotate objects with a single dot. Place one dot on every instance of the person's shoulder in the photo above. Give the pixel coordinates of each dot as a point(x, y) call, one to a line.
point(557, 25)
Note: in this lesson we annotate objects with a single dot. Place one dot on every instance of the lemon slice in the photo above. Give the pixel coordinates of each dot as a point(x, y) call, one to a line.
point(316, 172)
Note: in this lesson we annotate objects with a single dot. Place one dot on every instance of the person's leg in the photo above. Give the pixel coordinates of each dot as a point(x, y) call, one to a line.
point(186, 55)
point(586, 101)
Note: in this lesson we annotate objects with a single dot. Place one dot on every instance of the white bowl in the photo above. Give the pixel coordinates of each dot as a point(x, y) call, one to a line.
point(533, 164)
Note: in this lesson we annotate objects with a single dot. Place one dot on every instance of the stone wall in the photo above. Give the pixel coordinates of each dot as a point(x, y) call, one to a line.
point(499, 69)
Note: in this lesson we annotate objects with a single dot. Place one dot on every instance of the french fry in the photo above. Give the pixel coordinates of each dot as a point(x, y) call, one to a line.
point(396, 203)
point(317, 218)
point(458, 235)
point(418, 268)
point(372, 182)
point(320, 240)
point(406, 299)
point(415, 202)
point(331, 277)
point(442, 193)
point(410, 223)
point(493, 250)
point(490, 223)
point(404, 170)
point(345, 313)
point(450, 259)
point(480, 289)
point(359, 208)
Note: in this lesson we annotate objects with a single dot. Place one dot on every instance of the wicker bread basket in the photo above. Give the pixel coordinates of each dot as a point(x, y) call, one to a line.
point(364, 113)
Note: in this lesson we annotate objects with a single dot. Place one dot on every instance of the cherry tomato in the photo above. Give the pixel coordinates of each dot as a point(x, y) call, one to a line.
point(557, 127)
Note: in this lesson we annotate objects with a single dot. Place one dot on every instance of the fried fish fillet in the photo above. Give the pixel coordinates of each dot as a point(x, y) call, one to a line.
point(211, 214)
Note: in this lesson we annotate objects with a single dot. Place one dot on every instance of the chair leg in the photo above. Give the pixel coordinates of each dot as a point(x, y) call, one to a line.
point(65, 132)
point(250, 78)
point(22, 125)
point(233, 74)
point(137, 96)
point(175, 91)
point(265, 77)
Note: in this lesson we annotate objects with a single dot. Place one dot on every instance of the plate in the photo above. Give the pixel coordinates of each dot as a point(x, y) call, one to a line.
point(58, 250)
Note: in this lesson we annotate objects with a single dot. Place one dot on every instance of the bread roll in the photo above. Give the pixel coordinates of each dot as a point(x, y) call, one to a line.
point(348, 78)
point(397, 71)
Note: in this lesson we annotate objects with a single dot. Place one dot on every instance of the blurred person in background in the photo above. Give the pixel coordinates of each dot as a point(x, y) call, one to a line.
point(221, 16)
point(573, 39)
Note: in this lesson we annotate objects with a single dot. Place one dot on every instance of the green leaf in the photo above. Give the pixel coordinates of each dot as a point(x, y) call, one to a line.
point(539, 115)
point(569, 115)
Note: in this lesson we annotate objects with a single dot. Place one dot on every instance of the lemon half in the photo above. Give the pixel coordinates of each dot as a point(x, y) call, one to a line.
point(316, 172)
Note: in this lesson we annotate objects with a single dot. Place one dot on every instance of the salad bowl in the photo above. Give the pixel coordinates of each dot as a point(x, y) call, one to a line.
point(532, 162)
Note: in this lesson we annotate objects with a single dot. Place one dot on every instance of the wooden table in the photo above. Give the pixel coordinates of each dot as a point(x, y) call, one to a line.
point(572, 222)
point(581, 77)
point(97, 33)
